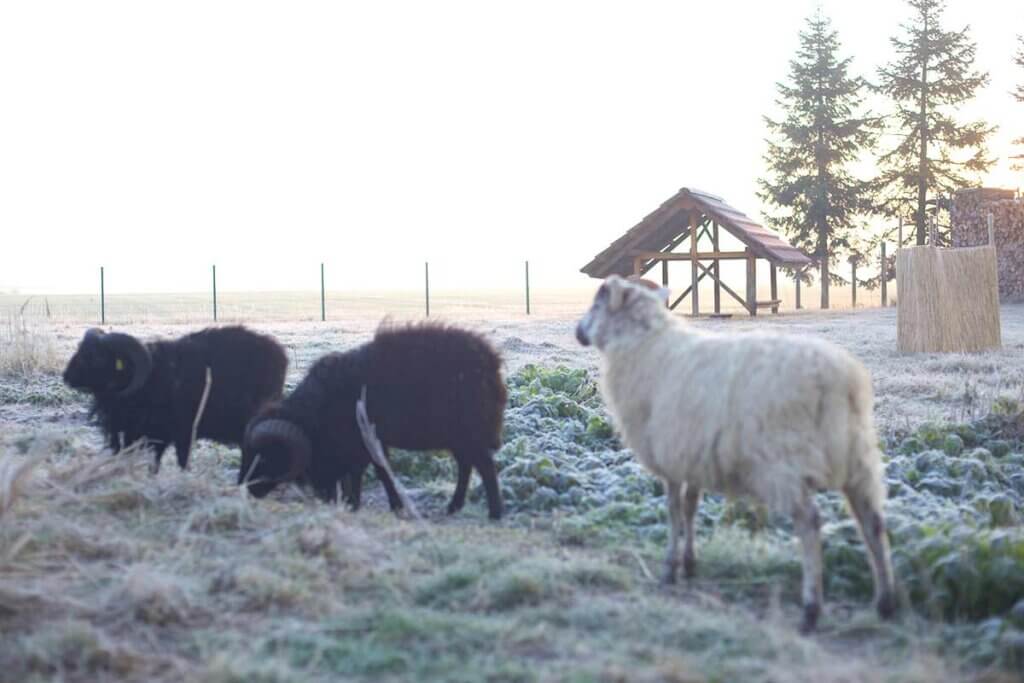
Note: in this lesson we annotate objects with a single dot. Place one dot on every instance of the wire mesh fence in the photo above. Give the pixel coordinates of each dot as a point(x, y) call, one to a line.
point(442, 294)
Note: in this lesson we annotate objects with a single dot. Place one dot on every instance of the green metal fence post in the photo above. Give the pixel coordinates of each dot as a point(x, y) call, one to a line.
point(214, 293)
point(527, 288)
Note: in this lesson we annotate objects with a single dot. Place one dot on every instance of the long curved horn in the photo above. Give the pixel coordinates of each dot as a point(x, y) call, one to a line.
point(300, 451)
point(137, 353)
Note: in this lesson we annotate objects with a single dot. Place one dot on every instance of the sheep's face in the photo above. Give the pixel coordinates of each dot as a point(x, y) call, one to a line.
point(621, 307)
point(263, 468)
point(275, 451)
point(96, 368)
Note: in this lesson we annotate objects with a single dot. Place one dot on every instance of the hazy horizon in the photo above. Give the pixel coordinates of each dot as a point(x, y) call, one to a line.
point(267, 138)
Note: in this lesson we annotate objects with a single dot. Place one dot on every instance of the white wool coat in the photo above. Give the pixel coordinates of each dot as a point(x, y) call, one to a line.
point(769, 416)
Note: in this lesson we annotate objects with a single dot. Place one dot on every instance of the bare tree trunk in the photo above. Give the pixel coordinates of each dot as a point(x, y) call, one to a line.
point(824, 256)
point(922, 161)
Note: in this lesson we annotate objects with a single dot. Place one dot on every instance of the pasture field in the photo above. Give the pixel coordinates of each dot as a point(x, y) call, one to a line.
point(110, 573)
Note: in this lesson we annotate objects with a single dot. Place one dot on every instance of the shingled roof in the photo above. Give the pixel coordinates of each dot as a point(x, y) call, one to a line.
point(660, 230)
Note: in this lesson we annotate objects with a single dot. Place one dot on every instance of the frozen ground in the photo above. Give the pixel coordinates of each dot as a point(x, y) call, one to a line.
point(108, 573)
point(910, 389)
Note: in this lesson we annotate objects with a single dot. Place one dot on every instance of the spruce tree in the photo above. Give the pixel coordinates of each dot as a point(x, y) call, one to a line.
point(1019, 96)
point(820, 134)
point(932, 75)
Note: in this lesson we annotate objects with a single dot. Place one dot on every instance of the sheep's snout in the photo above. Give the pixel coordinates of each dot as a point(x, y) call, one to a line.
point(581, 335)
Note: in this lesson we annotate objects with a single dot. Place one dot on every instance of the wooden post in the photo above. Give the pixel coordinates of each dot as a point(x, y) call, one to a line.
point(664, 273)
point(694, 298)
point(991, 229)
point(214, 293)
point(884, 278)
point(798, 306)
point(323, 303)
point(752, 284)
point(527, 288)
point(103, 300)
point(714, 267)
point(426, 285)
point(899, 244)
point(775, 287)
point(933, 233)
point(853, 281)
point(638, 265)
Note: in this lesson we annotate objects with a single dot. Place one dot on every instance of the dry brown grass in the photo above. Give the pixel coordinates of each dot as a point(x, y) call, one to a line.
point(109, 573)
point(26, 349)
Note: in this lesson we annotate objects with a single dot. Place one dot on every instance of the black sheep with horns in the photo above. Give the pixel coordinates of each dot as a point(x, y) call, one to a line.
point(153, 390)
point(428, 387)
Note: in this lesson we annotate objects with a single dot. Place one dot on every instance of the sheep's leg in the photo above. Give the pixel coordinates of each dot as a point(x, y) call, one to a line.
point(182, 448)
point(673, 491)
point(872, 531)
point(691, 499)
point(807, 523)
point(158, 453)
point(489, 475)
point(462, 484)
point(356, 487)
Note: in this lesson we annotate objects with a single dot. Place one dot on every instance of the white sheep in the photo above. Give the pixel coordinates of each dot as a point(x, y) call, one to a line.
point(772, 417)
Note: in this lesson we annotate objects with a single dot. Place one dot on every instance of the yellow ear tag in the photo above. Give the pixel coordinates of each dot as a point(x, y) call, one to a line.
point(119, 365)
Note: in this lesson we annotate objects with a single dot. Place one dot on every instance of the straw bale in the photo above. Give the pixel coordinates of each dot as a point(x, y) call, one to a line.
point(949, 299)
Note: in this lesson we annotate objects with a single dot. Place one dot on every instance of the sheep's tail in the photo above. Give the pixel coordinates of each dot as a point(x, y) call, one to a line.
point(865, 474)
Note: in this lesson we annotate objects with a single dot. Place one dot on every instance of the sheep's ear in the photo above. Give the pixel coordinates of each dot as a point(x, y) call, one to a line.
point(616, 292)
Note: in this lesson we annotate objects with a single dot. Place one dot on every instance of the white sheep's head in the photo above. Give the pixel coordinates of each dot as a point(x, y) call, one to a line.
point(622, 307)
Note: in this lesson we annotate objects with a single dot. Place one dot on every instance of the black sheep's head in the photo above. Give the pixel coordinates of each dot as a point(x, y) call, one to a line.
point(111, 363)
point(275, 451)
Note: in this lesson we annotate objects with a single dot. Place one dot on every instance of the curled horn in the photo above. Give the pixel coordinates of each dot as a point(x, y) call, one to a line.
point(291, 436)
point(137, 353)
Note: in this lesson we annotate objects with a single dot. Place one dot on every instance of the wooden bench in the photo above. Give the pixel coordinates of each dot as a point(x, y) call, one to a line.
point(771, 303)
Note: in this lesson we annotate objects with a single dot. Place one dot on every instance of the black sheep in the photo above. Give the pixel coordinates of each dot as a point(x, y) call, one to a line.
point(428, 387)
point(153, 390)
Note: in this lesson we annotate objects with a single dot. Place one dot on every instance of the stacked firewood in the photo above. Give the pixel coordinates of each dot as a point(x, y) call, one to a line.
point(969, 214)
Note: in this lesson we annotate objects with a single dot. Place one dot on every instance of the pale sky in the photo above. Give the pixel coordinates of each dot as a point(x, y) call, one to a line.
point(158, 138)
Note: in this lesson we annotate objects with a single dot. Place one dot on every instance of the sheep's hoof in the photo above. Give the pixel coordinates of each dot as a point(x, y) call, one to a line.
point(811, 613)
point(671, 572)
point(689, 567)
point(453, 508)
point(886, 605)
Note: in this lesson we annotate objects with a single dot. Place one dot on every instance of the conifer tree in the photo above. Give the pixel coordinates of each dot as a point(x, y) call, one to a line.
point(820, 134)
point(932, 76)
point(1019, 96)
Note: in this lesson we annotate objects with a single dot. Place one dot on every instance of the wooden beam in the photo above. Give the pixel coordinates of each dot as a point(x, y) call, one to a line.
point(694, 258)
point(672, 245)
point(683, 256)
point(664, 273)
point(798, 306)
point(715, 265)
point(752, 284)
point(687, 291)
point(853, 281)
point(724, 286)
point(775, 287)
point(884, 278)
point(637, 261)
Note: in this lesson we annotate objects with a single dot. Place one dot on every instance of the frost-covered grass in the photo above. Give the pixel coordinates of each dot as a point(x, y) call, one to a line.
point(24, 349)
point(108, 573)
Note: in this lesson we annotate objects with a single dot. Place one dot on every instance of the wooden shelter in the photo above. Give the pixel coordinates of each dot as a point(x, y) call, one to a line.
point(695, 215)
